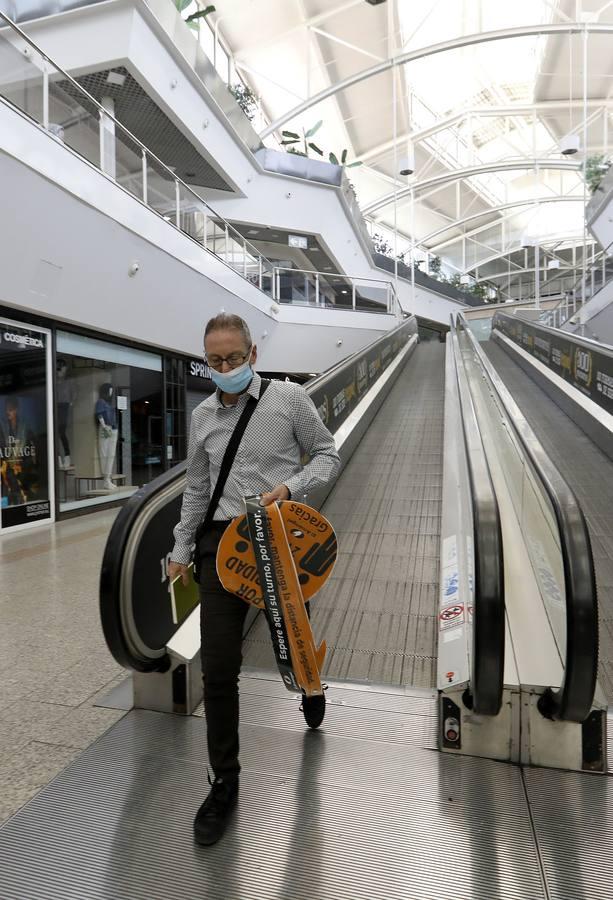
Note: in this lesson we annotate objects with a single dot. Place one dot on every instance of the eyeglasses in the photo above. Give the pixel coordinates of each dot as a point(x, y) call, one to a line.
point(234, 360)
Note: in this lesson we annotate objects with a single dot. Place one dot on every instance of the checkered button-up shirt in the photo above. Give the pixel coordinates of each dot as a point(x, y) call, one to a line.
point(284, 425)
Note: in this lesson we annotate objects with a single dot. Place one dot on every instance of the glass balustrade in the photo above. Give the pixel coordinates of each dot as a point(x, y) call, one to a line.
point(32, 83)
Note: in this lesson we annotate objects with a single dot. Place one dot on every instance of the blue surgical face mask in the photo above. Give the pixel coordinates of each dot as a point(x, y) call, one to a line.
point(235, 381)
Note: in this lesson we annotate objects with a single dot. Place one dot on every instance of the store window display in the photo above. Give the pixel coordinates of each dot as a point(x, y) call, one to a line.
point(106, 417)
point(25, 476)
point(109, 429)
point(65, 398)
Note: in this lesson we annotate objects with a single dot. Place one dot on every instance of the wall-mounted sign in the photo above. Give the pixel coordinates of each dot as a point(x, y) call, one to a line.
point(25, 452)
point(298, 241)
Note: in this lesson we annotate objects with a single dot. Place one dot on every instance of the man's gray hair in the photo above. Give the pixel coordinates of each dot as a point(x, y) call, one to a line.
point(228, 322)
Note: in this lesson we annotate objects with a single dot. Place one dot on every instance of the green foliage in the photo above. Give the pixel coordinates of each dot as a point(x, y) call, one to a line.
point(333, 158)
point(596, 167)
point(435, 264)
point(382, 245)
point(291, 139)
point(245, 98)
point(193, 19)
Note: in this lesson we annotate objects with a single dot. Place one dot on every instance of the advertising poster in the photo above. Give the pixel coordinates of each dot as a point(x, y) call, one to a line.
point(24, 426)
point(586, 368)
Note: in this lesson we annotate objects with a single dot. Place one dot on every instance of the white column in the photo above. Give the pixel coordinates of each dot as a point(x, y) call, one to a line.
point(107, 138)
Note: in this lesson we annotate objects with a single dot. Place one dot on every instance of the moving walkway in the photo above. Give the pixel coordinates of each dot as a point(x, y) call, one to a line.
point(343, 812)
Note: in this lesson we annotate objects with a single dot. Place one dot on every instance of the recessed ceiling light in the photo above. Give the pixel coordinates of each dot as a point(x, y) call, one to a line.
point(253, 231)
point(344, 291)
point(116, 78)
point(190, 174)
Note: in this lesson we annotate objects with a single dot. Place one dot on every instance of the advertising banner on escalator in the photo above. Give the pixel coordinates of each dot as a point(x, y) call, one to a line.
point(584, 367)
point(25, 452)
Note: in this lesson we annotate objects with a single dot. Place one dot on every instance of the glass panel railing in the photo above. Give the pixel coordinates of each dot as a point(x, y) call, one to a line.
point(22, 76)
point(327, 290)
point(32, 83)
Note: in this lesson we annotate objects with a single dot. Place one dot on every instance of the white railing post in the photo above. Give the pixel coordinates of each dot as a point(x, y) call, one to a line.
point(317, 288)
point(145, 190)
point(101, 137)
point(45, 97)
point(177, 204)
point(260, 272)
point(353, 295)
point(244, 259)
point(226, 247)
point(205, 229)
point(275, 295)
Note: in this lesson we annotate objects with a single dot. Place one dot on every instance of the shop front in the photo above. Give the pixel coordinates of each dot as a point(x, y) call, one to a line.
point(109, 419)
point(26, 471)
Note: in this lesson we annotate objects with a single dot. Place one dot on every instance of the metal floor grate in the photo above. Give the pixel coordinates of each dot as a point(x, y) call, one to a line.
point(353, 811)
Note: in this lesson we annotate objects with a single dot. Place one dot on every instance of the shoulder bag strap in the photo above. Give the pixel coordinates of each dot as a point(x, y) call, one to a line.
point(228, 459)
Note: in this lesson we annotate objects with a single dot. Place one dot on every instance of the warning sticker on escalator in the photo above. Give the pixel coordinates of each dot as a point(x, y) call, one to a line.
point(451, 616)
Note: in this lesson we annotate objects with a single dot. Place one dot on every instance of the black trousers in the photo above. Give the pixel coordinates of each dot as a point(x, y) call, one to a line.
point(222, 618)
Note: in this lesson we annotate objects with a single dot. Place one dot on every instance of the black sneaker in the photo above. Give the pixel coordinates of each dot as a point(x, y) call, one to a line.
point(313, 710)
point(212, 817)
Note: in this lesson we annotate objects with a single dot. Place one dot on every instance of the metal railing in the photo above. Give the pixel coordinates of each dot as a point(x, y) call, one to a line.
point(333, 290)
point(38, 87)
point(596, 277)
point(31, 82)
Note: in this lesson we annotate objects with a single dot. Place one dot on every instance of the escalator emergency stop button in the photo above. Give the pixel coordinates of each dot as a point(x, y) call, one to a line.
point(452, 730)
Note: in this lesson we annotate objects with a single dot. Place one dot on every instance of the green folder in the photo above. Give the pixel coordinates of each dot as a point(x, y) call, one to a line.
point(183, 598)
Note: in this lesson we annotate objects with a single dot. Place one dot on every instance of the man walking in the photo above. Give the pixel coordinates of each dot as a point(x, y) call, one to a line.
point(284, 425)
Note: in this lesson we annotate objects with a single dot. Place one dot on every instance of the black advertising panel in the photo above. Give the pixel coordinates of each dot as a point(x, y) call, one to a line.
point(24, 426)
point(339, 395)
point(584, 367)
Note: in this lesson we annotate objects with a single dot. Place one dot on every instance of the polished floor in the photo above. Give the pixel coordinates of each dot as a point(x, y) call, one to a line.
point(54, 662)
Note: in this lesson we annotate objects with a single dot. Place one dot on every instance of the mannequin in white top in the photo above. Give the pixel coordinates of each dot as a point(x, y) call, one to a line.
point(106, 417)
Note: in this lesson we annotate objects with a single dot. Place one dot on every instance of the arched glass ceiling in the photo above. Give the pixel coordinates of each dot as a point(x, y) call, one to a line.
point(508, 100)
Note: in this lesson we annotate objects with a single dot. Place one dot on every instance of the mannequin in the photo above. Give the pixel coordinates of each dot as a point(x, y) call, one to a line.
point(106, 418)
point(65, 398)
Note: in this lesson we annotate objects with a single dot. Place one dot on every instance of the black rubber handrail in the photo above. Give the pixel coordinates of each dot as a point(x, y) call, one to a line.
point(488, 654)
point(573, 700)
point(110, 590)
point(127, 522)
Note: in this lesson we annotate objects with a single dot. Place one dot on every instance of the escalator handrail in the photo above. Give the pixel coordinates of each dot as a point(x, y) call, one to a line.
point(112, 571)
point(110, 588)
point(574, 698)
point(488, 653)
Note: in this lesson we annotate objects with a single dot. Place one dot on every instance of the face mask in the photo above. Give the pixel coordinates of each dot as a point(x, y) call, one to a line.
point(235, 381)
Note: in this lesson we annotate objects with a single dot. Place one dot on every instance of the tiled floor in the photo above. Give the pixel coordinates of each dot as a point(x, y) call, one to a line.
point(53, 658)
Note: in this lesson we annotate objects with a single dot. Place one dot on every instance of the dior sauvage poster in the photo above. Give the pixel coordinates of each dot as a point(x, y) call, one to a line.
point(24, 426)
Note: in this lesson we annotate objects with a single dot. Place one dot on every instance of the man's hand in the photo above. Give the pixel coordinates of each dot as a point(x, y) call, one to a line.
point(281, 492)
point(175, 568)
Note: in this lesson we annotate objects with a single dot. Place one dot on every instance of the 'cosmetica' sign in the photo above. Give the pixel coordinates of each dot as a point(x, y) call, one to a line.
point(587, 369)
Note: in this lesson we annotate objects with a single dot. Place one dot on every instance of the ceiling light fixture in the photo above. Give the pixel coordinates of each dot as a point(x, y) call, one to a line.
point(116, 78)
